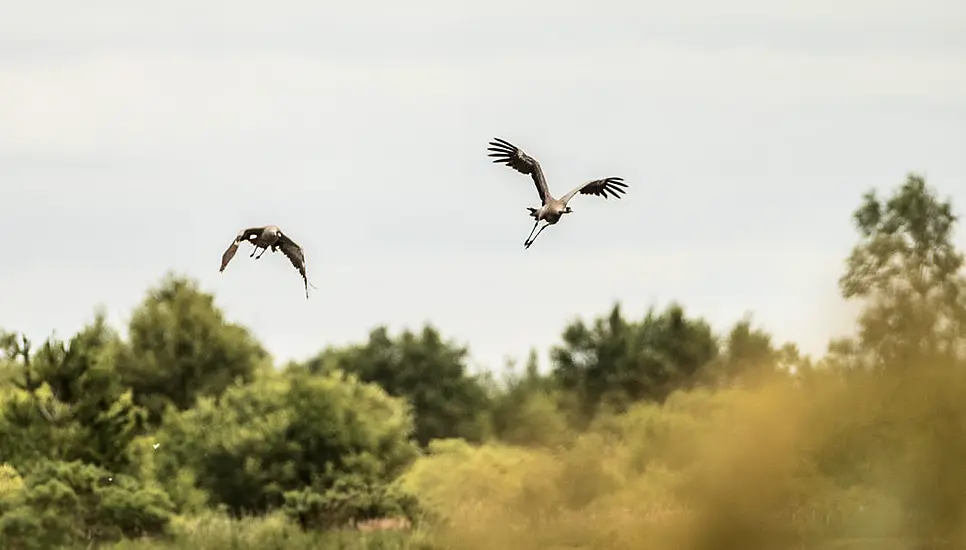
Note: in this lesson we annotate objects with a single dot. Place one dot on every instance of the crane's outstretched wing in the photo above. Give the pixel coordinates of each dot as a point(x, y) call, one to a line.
point(599, 188)
point(243, 235)
point(295, 255)
point(506, 153)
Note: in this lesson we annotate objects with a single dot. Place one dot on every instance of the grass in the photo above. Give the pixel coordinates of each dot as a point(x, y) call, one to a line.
point(275, 532)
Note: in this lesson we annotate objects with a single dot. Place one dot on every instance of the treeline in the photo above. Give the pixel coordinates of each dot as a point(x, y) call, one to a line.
point(104, 437)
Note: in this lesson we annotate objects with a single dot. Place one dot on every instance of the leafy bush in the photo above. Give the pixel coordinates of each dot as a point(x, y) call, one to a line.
point(213, 531)
point(325, 434)
point(350, 498)
point(60, 503)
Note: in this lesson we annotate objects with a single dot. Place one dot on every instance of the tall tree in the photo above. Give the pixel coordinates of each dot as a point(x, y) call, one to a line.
point(749, 352)
point(181, 347)
point(909, 272)
point(619, 362)
point(68, 404)
point(425, 370)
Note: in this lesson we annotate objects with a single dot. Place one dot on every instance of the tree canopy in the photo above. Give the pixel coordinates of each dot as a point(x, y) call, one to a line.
point(181, 348)
point(909, 272)
point(429, 373)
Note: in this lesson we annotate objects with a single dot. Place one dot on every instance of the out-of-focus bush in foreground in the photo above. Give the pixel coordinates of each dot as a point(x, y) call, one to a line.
point(870, 457)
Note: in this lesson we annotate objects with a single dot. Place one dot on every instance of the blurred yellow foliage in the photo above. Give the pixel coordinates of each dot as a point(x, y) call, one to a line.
point(859, 459)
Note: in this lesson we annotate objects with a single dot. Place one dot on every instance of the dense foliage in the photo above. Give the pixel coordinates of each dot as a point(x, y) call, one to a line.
point(648, 431)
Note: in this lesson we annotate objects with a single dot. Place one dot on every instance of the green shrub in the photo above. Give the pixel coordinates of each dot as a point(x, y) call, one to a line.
point(351, 498)
point(287, 437)
point(213, 531)
point(63, 503)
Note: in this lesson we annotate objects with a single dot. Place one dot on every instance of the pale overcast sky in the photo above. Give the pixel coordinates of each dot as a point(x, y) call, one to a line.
point(138, 138)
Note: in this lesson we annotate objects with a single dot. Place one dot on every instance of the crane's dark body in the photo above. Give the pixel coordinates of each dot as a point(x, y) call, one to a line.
point(265, 238)
point(551, 209)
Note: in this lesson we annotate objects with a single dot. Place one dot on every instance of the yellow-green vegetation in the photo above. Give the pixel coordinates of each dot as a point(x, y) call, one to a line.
point(816, 461)
point(654, 434)
point(273, 532)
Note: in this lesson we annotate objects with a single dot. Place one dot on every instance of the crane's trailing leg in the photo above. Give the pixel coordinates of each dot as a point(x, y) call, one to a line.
point(526, 243)
point(264, 250)
point(530, 242)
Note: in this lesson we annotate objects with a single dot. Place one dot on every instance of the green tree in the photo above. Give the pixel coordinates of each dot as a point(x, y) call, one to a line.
point(9, 352)
point(181, 347)
point(425, 370)
point(525, 407)
point(748, 347)
point(259, 442)
point(618, 362)
point(749, 352)
point(909, 272)
point(67, 404)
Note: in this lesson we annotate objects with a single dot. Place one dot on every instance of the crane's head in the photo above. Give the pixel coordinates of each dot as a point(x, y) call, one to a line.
point(567, 210)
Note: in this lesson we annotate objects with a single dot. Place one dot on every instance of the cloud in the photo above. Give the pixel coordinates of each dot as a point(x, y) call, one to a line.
point(158, 100)
point(184, 16)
